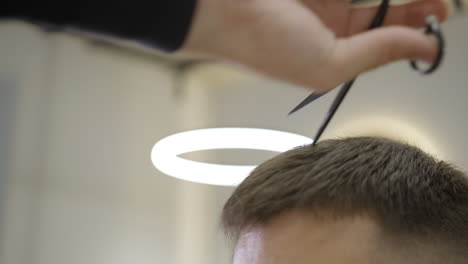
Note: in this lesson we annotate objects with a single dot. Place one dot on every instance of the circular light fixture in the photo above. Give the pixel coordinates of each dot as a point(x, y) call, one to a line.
point(165, 152)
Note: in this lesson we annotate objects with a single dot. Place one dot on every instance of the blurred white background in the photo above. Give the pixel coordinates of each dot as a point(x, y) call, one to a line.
point(78, 120)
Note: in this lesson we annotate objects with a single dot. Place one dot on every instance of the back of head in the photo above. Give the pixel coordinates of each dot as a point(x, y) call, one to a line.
point(415, 199)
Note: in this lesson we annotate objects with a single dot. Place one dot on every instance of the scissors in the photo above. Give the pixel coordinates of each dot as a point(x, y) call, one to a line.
point(433, 28)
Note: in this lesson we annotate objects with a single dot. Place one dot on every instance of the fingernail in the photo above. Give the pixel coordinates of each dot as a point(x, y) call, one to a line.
point(427, 60)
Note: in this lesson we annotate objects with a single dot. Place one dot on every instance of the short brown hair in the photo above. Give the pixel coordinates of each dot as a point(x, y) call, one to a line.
point(404, 189)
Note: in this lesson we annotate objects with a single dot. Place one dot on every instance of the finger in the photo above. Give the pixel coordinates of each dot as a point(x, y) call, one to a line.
point(372, 49)
point(411, 14)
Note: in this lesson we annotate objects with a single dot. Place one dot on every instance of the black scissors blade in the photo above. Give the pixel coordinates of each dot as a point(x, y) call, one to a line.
point(305, 102)
point(333, 108)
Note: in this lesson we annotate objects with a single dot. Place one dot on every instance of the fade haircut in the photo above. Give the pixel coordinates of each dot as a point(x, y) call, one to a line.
point(407, 192)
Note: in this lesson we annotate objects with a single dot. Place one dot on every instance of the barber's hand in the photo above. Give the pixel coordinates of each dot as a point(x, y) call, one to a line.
point(314, 43)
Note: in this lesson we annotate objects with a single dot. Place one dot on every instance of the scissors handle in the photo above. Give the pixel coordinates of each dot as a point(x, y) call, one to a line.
point(459, 4)
point(433, 28)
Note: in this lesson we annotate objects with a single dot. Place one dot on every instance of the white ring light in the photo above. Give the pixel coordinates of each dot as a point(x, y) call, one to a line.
point(165, 152)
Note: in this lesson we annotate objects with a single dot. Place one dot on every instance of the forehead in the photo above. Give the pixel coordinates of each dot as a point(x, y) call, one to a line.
point(301, 238)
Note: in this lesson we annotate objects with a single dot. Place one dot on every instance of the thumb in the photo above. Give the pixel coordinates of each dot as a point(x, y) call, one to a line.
point(372, 49)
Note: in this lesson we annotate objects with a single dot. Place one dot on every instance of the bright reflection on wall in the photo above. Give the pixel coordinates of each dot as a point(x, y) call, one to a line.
point(165, 152)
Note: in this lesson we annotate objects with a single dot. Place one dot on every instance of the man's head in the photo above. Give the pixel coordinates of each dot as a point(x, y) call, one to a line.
point(355, 200)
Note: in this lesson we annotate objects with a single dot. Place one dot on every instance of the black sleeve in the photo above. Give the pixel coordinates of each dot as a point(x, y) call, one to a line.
point(163, 24)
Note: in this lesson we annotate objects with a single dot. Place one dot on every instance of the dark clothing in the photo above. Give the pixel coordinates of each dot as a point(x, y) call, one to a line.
point(163, 24)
